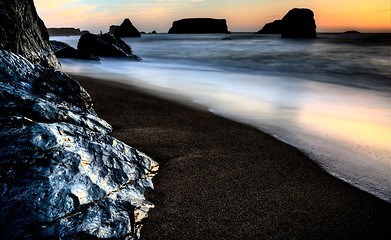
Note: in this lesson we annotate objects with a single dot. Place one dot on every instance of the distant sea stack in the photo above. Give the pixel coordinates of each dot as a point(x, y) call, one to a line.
point(297, 23)
point(199, 25)
point(66, 31)
point(126, 29)
point(23, 32)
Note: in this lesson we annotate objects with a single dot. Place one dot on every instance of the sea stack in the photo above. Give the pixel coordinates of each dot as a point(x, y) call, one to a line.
point(199, 25)
point(126, 29)
point(24, 33)
point(298, 23)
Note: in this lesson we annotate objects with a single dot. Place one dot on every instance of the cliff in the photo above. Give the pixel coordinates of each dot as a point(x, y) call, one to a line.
point(199, 25)
point(24, 33)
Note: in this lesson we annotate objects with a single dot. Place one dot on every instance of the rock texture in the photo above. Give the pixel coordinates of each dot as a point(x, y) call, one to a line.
point(199, 25)
point(298, 23)
point(126, 29)
point(105, 45)
point(61, 175)
point(24, 33)
point(274, 27)
point(64, 50)
point(66, 31)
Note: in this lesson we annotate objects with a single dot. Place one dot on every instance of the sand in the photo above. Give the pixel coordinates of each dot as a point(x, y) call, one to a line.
point(219, 179)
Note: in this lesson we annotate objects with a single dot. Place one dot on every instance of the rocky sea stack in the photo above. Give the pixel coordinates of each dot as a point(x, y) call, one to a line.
point(61, 175)
point(199, 25)
point(297, 23)
point(126, 29)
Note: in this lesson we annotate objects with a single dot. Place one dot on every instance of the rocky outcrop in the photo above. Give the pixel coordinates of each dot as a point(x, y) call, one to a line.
point(113, 28)
point(126, 29)
point(274, 27)
point(105, 45)
point(64, 50)
point(61, 175)
point(199, 25)
point(298, 23)
point(24, 33)
point(66, 31)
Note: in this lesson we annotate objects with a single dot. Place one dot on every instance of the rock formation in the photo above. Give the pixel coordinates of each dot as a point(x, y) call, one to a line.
point(64, 50)
point(199, 25)
point(113, 28)
point(126, 29)
point(66, 31)
point(274, 27)
point(24, 33)
point(61, 175)
point(298, 23)
point(105, 45)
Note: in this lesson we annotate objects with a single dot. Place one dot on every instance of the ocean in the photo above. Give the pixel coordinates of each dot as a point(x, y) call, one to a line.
point(330, 97)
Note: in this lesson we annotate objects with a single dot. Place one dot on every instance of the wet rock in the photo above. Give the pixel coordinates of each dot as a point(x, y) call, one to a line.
point(298, 23)
point(199, 25)
point(61, 175)
point(126, 29)
point(24, 33)
point(105, 45)
point(64, 50)
point(274, 27)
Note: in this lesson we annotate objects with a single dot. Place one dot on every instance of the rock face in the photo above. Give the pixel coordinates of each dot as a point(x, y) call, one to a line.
point(105, 45)
point(64, 50)
point(199, 25)
point(126, 29)
point(24, 33)
point(298, 23)
point(274, 27)
point(65, 31)
point(61, 175)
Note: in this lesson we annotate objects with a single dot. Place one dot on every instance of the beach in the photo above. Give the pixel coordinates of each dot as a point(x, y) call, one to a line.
point(219, 179)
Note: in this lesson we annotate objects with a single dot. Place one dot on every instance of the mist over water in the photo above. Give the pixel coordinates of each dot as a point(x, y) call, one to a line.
point(330, 97)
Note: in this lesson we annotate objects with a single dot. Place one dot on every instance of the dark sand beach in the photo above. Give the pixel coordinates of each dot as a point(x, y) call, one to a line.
point(219, 179)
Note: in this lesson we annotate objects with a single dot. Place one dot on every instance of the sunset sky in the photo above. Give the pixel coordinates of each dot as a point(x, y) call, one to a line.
point(243, 15)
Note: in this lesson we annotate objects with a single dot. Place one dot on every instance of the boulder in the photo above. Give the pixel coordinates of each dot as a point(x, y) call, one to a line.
point(105, 45)
point(199, 25)
point(274, 27)
point(298, 23)
point(126, 29)
point(61, 175)
point(64, 50)
point(24, 33)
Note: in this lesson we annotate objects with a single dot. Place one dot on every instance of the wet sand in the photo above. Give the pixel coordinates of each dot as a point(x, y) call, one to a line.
point(219, 179)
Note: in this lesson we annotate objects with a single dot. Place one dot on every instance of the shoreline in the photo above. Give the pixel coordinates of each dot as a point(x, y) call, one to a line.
point(221, 179)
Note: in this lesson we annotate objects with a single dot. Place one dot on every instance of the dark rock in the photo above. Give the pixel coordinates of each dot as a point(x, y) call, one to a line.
point(105, 45)
point(274, 27)
point(61, 175)
point(199, 25)
point(66, 32)
point(113, 28)
point(63, 50)
point(143, 32)
point(298, 23)
point(352, 32)
point(153, 32)
point(126, 29)
point(226, 38)
point(24, 33)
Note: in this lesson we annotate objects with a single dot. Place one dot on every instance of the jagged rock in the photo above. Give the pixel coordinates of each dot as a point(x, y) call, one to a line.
point(298, 23)
point(274, 27)
point(24, 33)
point(66, 31)
point(64, 50)
point(126, 29)
point(199, 25)
point(105, 45)
point(61, 175)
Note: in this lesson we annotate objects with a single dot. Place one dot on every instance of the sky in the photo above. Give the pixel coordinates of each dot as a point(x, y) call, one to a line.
point(241, 15)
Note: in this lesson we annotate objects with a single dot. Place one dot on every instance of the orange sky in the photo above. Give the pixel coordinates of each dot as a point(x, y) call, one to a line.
point(244, 15)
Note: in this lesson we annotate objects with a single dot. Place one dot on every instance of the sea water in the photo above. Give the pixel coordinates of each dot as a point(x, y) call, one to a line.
point(330, 97)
